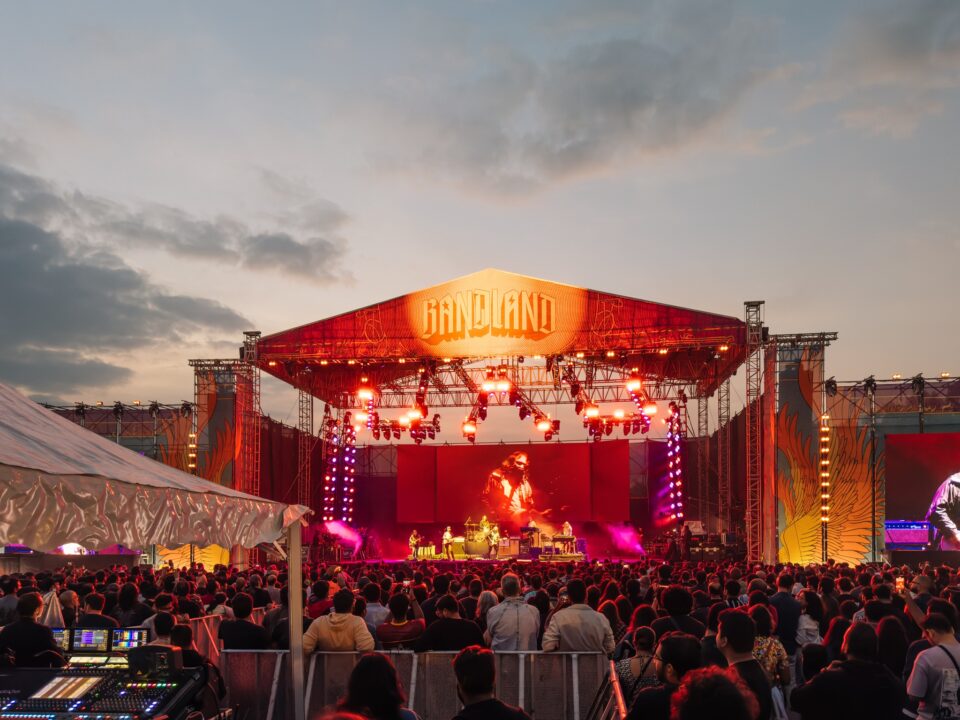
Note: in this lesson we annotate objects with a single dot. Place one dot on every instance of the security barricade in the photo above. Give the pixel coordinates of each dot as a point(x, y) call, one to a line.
point(206, 633)
point(549, 686)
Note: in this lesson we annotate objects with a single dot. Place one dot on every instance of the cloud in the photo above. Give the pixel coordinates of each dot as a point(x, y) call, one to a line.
point(893, 63)
point(526, 123)
point(309, 245)
point(66, 308)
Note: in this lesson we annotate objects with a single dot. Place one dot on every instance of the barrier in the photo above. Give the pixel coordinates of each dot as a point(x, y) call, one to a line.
point(549, 686)
point(206, 629)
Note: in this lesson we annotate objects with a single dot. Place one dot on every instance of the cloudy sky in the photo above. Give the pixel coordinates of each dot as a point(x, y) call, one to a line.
point(174, 173)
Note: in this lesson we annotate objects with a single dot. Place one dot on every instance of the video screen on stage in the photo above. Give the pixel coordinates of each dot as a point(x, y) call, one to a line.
point(550, 482)
point(916, 467)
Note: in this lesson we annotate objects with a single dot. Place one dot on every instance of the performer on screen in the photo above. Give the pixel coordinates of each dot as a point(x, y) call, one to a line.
point(509, 485)
point(493, 540)
point(944, 514)
point(448, 543)
point(414, 543)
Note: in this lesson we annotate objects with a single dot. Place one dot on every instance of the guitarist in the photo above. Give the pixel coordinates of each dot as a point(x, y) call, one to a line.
point(944, 514)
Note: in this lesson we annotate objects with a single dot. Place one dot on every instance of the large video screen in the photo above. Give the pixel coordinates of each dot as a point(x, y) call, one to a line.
point(916, 466)
point(547, 482)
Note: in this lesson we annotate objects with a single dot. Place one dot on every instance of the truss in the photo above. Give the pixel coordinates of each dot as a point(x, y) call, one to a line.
point(753, 412)
point(724, 497)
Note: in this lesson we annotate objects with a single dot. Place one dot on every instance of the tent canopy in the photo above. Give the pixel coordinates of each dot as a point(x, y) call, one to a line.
point(60, 483)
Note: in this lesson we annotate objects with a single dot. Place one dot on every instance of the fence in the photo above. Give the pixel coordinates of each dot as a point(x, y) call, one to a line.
point(549, 686)
point(206, 630)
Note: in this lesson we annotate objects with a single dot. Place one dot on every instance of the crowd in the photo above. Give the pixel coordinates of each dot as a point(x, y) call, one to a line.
point(727, 640)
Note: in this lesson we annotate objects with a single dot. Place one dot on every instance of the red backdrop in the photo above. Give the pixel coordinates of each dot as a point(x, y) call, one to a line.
point(576, 482)
point(915, 466)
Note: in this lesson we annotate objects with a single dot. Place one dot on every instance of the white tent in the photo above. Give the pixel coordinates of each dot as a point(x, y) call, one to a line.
point(60, 483)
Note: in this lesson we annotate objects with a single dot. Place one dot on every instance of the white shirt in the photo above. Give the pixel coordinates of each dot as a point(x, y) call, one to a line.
point(934, 679)
point(513, 625)
point(578, 628)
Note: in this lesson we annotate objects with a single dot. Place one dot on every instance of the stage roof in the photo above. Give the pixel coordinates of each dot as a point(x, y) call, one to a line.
point(494, 314)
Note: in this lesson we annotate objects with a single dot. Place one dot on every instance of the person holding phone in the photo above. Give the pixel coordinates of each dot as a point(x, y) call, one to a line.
point(399, 630)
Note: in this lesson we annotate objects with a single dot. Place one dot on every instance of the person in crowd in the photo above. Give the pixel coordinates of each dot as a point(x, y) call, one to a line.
point(678, 603)
point(30, 643)
point(788, 613)
point(398, 631)
point(242, 633)
point(935, 670)
point(181, 636)
point(320, 601)
point(639, 671)
point(512, 624)
point(487, 600)
point(376, 611)
point(130, 612)
point(813, 659)
point(450, 632)
point(273, 589)
point(709, 654)
point(608, 608)
point(892, 644)
point(8, 603)
point(188, 605)
point(163, 623)
point(441, 586)
point(468, 604)
point(92, 615)
point(855, 687)
point(811, 615)
point(162, 603)
point(339, 631)
point(218, 606)
point(736, 637)
point(833, 640)
point(768, 650)
point(733, 594)
point(676, 655)
point(476, 675)
point(374, 690)
point(712, 693)
point(70, 607)
point(578, 627)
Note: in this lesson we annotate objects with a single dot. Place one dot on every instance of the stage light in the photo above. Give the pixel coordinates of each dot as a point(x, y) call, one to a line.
point(918, 384)
point(650, 408)
point(272, 363)
point(579, 356)
point(524, 412)
point(870, 385)
point(944, 375)
point(118, 410)
point(361, 416)
point(365, 393)
point(376, 433)
point(415, 413)
point(897, 376)
point(634, 384)
point(618, 414)
point(611, 353)
point(404, 420)
point(469, 427)
point(396, 433)
point(489, 384)
point(663, 351)
point(504, 385)
point(591, 411)
point(724, 348)
point(482, 412)
point(830, 386)
point(544, 424)
point(99, 403)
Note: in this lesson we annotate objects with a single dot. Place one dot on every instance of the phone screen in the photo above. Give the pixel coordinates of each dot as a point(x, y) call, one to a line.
point(406, 583)
point(899, 583)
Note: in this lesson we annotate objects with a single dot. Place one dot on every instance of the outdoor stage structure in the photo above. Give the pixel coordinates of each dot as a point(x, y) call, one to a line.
point(757, 473)
point(497, 338)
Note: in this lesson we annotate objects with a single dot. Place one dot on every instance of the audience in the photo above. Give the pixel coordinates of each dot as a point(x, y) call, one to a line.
point(677, 654)
point(578, 627)
point(736, 639)
point(449, 632)
point(712, 693)
point(513, 624)
point(374, 691)
point(242, 633)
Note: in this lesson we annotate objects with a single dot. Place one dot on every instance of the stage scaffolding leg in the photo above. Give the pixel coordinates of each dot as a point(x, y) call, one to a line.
point(754, 373)
point(305, 443)
point(770, 512)
point(723, 456)
point(295, 566)
point(703, 452)
point(248, 421)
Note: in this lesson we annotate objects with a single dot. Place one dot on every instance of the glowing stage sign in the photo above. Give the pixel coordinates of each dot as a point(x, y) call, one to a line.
point(492, 312)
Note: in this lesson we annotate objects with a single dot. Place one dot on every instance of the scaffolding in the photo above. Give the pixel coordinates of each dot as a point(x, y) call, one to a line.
point(753, 416)
point(248, 417)
point(724, 434)
point(703, 454)
point(305, 444)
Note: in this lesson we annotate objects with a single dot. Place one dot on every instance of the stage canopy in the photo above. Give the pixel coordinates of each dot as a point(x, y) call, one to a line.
point(60, 483)
point(492, 314)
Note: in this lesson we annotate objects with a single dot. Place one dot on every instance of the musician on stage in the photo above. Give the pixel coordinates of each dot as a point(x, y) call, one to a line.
point(484, 526)
point(569, 541)
point(448, 543)
point(493, 540)
point(414, 543)
point(944, 514)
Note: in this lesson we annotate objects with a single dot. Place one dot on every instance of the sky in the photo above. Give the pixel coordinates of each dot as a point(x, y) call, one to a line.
point(172, 174)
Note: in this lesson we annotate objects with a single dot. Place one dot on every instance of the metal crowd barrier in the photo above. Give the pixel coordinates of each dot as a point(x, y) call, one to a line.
point(549, 686)
point(609, 703)
point(205, 632)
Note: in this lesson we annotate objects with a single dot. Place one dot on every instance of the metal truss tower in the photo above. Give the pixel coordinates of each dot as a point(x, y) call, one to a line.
point(753, 417)
point(305, 444)
point(703, 454)
point(724, 496)
point(248, 414)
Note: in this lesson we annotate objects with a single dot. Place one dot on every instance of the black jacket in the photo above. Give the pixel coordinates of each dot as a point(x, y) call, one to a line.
point(853, 688)
point(31, 644)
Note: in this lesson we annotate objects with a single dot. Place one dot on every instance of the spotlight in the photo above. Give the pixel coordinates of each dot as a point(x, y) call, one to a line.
point(549, 363)
point(618, 414)
point(154, 408)
point(186, 409)
point(415, 413)
point(404, 420)
point(503, 385)
point(376, 433)
point(591, 411)
point(361, 416)
point(396, 433)
point(469, 427)
point(118, 410)
point(524, 412)
point(482, 412)
point(870, 385)
point(831, 387)
point(650, 408)
point(918, 384)
point(365, 393)
point(633, 384)
point(544, 425)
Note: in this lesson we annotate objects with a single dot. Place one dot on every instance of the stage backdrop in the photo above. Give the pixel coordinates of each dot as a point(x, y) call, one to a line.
point(916, 465)
point(550, 482)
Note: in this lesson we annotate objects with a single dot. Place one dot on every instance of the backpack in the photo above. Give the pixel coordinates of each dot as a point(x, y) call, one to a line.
point(949, 703)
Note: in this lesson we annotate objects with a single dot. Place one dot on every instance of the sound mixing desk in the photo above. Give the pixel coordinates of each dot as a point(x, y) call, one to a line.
point(112, 675)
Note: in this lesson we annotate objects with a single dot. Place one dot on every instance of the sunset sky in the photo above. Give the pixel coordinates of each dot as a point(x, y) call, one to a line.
point(174, 173)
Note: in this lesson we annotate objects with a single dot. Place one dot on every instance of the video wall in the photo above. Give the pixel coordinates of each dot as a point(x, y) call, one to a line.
point(916, 467)
point(548, 482)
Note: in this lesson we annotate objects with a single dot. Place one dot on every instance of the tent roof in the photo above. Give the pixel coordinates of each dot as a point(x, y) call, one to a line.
point(60, 483)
